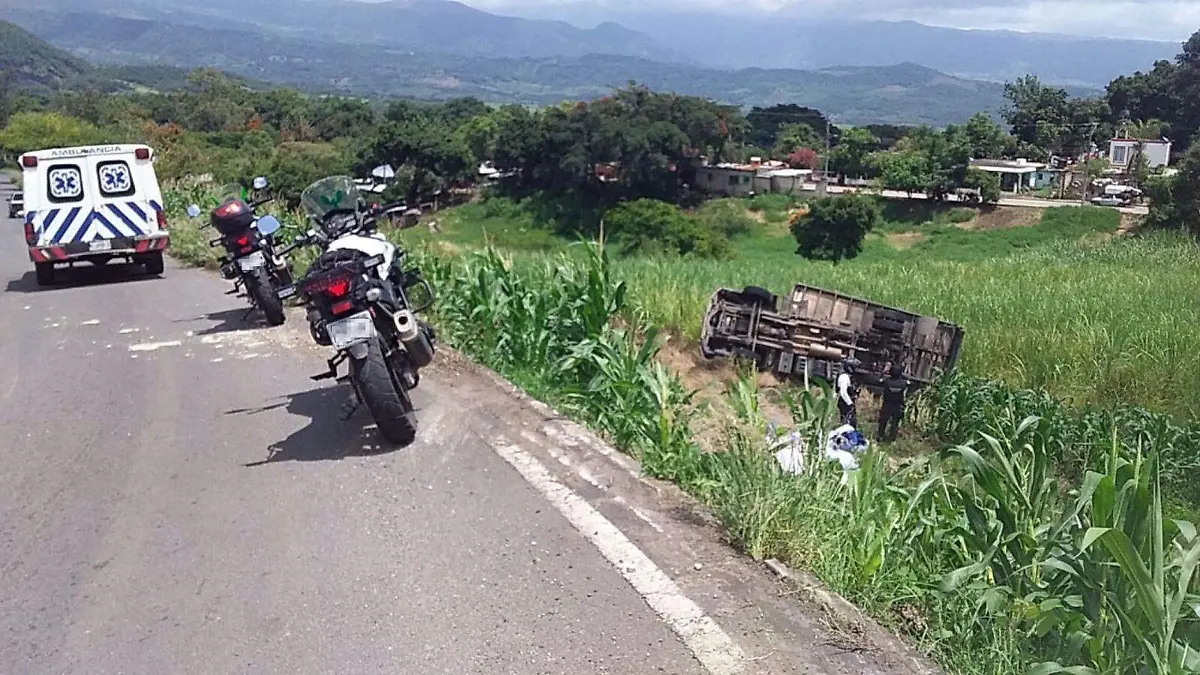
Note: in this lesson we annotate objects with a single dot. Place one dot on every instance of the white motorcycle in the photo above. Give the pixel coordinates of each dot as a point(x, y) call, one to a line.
point(357, 293)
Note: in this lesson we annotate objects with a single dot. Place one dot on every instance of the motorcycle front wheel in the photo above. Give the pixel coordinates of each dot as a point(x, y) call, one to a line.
point(387, 400)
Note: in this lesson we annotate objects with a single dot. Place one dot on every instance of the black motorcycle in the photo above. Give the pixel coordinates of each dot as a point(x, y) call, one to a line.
point(358, 296)
point(250, 258)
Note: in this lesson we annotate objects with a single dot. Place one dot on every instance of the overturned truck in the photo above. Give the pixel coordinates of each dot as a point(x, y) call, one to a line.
point(818, 328)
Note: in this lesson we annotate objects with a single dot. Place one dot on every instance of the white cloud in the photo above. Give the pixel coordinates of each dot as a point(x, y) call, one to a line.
point(1171, 20)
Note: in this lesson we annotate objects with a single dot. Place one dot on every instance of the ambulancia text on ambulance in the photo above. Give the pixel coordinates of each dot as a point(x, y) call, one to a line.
point(94, 204)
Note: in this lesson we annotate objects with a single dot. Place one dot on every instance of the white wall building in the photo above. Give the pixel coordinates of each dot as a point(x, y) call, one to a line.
point(1122, 150)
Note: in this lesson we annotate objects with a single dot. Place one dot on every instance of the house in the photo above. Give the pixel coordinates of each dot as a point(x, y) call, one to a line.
point(1016, 175)
point(1122, 150)
point(727, 179)
point(787, 181)
point(736, 180)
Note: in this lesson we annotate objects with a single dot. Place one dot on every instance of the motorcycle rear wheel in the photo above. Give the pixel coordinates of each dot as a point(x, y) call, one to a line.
point(386, 398)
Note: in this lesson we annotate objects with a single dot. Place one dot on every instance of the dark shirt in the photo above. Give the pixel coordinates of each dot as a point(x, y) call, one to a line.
point(894, 389)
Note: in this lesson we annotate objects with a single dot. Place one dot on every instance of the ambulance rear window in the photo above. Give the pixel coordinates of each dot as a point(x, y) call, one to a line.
point(64, 183)
point(115, 179)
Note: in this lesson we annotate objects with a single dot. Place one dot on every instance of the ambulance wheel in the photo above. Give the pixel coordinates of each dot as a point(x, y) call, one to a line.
point(153, 263)
point(44, 272)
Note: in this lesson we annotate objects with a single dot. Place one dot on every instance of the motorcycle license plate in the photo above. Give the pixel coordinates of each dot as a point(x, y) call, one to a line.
point(287, 292)
point(351, 330)
point(100, 245)
point(252, 261)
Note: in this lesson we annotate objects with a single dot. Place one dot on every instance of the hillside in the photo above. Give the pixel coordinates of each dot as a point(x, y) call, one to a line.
point(440, 26)
point(796, 38)
point(790, 40)
point(34, 64)
point(40, 67)
point(905, 93)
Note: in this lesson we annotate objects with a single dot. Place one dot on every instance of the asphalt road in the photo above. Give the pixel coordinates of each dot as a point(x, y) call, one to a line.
point(143, 529)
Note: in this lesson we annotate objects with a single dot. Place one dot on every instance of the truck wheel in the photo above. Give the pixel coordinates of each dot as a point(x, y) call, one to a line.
point(44, 272)
point(388, 402)
point(154, 264)
point(263, 292)
point(760, 295)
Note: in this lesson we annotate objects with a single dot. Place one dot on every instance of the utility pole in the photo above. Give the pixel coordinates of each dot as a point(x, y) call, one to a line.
point(823, 188)
point(1087, 178)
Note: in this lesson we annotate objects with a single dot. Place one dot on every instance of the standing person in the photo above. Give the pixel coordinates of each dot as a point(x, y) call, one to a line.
point(895, 390)
point(847, 392)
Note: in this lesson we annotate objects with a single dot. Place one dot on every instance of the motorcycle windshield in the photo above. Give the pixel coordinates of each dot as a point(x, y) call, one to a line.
point(335, 193)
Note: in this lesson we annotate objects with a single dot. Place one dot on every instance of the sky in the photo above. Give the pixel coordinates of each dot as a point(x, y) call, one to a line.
point(1170, 20)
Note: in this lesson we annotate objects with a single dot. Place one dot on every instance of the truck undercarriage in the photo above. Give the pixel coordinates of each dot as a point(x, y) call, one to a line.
point(818, 328)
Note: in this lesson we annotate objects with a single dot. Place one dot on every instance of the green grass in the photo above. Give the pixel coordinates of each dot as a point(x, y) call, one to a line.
point(1048, 307)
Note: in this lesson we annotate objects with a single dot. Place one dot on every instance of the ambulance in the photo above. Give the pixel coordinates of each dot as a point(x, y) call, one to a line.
point(93, 204)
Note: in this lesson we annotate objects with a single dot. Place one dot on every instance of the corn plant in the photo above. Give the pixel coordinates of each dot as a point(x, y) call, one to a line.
point(1127, 601)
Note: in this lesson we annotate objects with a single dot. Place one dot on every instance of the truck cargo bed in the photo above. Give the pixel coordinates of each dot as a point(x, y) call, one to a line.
point(818, 328)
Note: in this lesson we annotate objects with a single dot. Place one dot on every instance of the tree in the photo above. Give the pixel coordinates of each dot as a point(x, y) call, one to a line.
point(766, 124)
point(1175, 200)
point(793, 137)
point(946, 157)
point(1038, 114)
point(834, 227)
point(906, 170)
point(214, 102)
point(1139, 167)
point(888, 134)
point(849, 157)
point(804, 158)
point(427, 147)
point(298, 164)
point(985, 138)
point(986, 182)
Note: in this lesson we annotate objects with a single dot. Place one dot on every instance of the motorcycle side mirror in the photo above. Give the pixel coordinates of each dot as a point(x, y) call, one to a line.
point(193, 211)
point(268, 224)
point(261, 183)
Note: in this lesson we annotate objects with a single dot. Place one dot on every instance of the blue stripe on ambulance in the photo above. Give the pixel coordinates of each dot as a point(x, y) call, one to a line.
point(130, 228)
point(117, 219)
point(54, 229)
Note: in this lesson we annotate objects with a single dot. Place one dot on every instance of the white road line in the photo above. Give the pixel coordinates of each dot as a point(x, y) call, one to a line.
point(154, 346)
point(715, 650)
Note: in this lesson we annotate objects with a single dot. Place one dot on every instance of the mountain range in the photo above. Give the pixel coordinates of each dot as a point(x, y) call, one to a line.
point(861, 72)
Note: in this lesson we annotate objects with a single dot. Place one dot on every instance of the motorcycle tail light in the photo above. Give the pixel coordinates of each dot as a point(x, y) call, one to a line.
point(333, 286)
point(342, 307)
point(243, 240)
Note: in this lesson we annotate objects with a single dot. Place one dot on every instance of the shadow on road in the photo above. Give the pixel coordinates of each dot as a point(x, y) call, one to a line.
point(327, 436)
point(229, 320)
point(84, 275)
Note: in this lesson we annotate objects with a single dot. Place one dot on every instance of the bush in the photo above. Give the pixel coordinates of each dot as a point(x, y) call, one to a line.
point(29, 131)
point(834, 227)
point(726, 217)
point(649, 226)
point(770, 202)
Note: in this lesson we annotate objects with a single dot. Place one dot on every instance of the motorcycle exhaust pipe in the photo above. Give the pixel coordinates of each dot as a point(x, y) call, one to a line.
point(420, 352)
